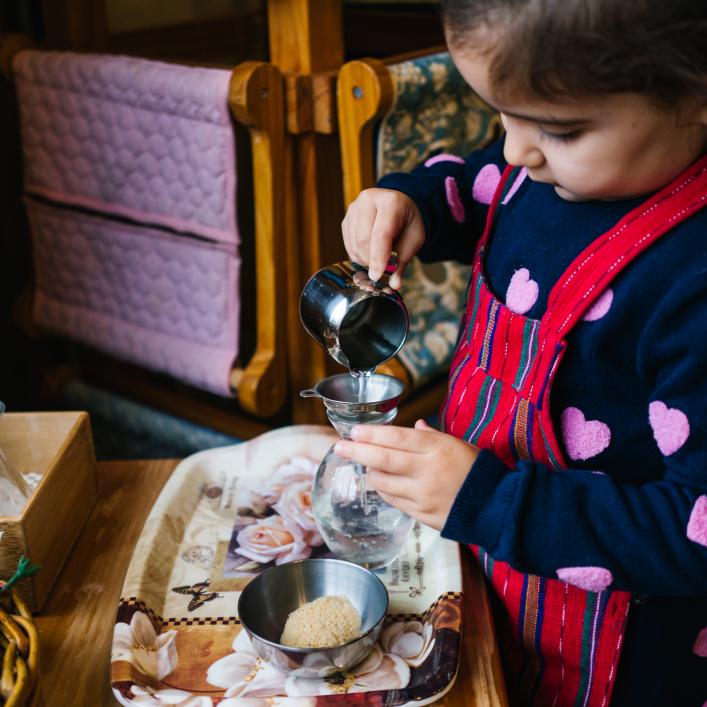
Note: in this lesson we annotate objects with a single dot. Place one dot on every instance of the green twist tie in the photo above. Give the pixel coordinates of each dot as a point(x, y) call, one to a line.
point(25, 568)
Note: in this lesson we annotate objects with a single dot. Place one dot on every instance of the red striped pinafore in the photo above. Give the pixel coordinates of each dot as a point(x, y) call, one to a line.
point(563, 645)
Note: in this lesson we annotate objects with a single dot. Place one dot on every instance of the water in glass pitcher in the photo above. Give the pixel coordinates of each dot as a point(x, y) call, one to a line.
point(355, 522)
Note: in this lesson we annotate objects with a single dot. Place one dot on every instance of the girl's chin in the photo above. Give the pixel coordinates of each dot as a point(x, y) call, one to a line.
point(568, 195)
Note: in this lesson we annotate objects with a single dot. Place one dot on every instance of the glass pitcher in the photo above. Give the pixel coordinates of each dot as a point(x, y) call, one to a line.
point(355, 522)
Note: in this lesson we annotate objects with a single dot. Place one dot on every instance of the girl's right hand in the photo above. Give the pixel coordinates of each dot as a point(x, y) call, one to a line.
point(377, 222)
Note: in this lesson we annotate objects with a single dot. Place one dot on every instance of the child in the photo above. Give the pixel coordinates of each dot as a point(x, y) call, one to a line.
point(574, 452)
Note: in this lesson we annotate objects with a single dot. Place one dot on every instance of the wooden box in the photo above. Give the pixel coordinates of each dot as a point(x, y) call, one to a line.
point(58, 445)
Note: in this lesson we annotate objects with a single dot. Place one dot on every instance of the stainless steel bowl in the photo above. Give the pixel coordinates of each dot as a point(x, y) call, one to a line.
point(274, 594)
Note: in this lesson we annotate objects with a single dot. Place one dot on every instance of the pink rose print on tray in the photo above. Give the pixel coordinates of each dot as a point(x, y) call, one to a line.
point(296, 504)
point(272, 539)
point(670, 426)
point(583, 438)
point(263, 496)
point(522, 292)
point(275, 522)
point(591, 579)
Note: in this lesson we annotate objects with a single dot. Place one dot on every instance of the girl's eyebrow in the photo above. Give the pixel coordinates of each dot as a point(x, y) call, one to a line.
point(542, 119)
point(547, 120)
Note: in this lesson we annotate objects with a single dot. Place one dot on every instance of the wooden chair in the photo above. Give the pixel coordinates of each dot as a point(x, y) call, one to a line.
point(392, 115)
point(259, 379)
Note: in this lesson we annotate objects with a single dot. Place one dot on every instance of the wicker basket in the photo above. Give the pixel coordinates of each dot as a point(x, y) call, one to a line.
point(19, 641)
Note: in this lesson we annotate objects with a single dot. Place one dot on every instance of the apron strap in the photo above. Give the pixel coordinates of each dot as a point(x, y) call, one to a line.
point(597, 265)
point(507, 180)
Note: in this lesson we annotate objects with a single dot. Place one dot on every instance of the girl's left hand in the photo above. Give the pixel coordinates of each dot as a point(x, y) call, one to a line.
point(420, 471)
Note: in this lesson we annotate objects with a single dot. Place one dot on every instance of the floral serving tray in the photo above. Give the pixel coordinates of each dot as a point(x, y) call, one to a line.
point(226, 514)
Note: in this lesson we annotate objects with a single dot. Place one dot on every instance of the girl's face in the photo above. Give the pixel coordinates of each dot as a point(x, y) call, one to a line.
point(594, 147)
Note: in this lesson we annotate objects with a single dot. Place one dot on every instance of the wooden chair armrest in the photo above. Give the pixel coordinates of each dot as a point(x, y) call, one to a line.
point(364, 93)
point(256, 100)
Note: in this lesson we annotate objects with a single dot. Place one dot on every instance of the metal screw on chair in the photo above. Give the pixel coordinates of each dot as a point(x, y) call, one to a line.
point(357, 92)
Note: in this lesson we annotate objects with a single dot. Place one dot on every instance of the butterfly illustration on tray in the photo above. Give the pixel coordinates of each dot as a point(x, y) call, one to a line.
point(199, 594)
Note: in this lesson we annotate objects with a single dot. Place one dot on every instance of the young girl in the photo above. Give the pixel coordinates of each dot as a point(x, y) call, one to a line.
point(573, 456)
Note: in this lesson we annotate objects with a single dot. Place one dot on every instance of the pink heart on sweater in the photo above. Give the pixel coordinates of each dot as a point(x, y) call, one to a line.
point(443, 158)
point(697, 525)
point(515, 186)
point(454, 200)
point(600, 307)
point(671, 428)
point(591, 579)
point(487, 181)
point(522, 292)
point(700, 647)
point(583, 438)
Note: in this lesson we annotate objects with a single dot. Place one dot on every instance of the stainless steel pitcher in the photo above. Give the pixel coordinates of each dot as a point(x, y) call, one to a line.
point(360, 323)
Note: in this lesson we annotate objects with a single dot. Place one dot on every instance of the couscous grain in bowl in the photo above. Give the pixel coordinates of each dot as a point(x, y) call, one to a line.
point(336, 611)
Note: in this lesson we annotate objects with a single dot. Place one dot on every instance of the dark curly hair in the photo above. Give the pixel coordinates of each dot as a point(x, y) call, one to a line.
point(588, 47)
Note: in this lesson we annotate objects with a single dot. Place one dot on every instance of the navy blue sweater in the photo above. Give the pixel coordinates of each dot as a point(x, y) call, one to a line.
point(645, 518)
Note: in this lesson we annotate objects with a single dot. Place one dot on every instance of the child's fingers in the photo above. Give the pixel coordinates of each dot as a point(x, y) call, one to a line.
point(383, 232)
point(409, 506)
point(410, 240)
point(390, 500)
point(391, 461)
point(389, 486)
point(349, 240)
point(396, 279)
point(422, 425)
point(356, 227)
point(398, 492)
point(363, 220)
point(392, 437)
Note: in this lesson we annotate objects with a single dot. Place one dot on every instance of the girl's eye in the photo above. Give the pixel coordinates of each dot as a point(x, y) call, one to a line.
point(560, 137)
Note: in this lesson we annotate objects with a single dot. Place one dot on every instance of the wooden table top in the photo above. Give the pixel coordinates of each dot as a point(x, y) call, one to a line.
point(76, 623)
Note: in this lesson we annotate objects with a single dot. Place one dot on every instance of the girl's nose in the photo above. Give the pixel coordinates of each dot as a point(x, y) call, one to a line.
point(520, 148)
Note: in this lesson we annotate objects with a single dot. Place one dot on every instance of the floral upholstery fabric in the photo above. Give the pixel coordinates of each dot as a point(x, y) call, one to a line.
point(433, 111)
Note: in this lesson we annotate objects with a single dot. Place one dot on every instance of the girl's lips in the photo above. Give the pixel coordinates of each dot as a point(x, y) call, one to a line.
point(560, 190)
